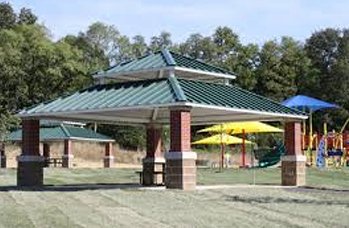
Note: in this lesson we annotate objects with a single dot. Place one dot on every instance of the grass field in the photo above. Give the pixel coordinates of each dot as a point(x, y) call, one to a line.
point(111, 197)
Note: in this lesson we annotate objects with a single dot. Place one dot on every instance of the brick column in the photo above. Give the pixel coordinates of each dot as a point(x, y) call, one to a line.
point(67, 158)
point(30, 163)
point(180, 160)
point(154, 161)
point(293, 163)
point(2, 156)
point(108, 156)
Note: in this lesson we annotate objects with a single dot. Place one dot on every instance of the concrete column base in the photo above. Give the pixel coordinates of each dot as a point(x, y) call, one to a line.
point(181, 170)
point(67, 160)
point(293, 170)
point(108, 161)
point(3, 163)
point(150, 167)
point(30, 171)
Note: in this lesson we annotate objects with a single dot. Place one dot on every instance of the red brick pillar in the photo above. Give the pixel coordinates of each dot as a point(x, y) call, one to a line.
point(293, 163)
point(30, 162)
point(2, 156)
point(154, 162)
point(67, 158)
point(108, 156)
point(180, 160)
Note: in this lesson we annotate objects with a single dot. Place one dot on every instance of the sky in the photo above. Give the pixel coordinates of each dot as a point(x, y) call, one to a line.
point(255, 21)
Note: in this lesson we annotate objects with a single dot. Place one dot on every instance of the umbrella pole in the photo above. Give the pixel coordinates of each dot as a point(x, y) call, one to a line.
point(243, 148)
point(304, 131)
point(310, 147)
point(222, 152)
point(222, 156)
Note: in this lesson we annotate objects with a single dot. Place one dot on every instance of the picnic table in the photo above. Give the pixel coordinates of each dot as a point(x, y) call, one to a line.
point(56, 162)
point(152, 172)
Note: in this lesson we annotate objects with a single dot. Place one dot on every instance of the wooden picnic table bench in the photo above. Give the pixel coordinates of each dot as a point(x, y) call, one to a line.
point(155, 173)
point(55, 161)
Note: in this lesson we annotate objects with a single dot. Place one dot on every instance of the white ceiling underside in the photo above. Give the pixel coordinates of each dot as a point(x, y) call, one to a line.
point(144, 115)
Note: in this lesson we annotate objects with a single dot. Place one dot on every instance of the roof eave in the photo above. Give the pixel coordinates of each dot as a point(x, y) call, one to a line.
point(272, 115)
point(70, 138)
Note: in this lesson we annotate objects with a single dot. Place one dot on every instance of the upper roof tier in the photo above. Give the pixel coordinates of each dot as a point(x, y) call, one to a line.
point(161, 64)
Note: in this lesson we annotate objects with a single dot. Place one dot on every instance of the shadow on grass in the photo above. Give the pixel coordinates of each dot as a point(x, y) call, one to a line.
point(72, 187)
point(278, 200)
point(319, 189)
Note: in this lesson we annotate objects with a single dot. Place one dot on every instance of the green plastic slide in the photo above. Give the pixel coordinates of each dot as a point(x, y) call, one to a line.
point(270, 156)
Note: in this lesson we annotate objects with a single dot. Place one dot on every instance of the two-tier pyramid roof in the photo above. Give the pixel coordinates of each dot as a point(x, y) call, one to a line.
point(144, 89)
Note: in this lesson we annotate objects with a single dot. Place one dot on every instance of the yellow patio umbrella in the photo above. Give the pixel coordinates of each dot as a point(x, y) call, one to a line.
point(242, 128)
point(222, 139)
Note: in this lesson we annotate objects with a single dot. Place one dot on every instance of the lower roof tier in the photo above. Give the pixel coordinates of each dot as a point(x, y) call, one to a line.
point(142, 102)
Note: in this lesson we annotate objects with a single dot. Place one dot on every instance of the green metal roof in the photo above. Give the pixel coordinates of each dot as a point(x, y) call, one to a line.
point(62, 132)
point(163, 59)
point(230, 96)
point(163, 92)
point(111, 96)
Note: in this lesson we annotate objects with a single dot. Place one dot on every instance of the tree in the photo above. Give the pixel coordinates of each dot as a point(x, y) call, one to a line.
point(93, 57)
point(26, 17)
point(126, 136)
point(322, 49)
point(328, 50)
point(7, 16)
point(139, 46)
point(35, 69)
point(198, 47)
point(161, 41)
point(281, 64)
point(245, 66)
point(227, 44)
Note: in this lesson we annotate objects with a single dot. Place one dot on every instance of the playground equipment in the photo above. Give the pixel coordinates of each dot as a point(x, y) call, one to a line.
point(310, 105)
point(270, 157)
point(329, 148)
point(242, 128)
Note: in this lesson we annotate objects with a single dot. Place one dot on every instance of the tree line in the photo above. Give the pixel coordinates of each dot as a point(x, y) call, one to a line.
point(35, 68)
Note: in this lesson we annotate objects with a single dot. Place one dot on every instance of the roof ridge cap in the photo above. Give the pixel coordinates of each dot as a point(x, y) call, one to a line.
point(177, 88)
point(66, 131)
point(168, 57)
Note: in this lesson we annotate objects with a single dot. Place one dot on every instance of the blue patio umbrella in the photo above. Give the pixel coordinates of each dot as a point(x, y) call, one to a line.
point(310, 105)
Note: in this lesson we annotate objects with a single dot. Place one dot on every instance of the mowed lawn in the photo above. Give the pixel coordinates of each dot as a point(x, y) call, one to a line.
point(112, 198)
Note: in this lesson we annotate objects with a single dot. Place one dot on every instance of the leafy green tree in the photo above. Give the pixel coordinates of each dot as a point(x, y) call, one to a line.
point(7, 16)
point(198, 47)
point(139, 46)
point(245, 66)
point(34, 69)
point(281, 64)
point(227, 44)
point(128, 137)
point(26, 17)
point(328, 50)
point(161, 41)
point(322, 49)
point(93, 57)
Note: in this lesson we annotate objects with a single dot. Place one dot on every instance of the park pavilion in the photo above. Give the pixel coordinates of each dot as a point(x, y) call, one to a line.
point(162, 88)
